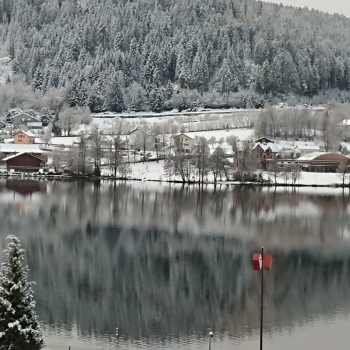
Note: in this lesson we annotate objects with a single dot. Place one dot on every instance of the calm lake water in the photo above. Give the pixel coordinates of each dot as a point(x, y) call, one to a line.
point(166, 264)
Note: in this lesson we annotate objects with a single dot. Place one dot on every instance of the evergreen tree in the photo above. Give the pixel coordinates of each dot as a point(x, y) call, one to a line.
point(200, 73)
point(19, 323)
point(115, 95)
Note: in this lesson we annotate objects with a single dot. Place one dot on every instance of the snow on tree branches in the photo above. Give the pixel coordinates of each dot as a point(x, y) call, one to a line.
point(19, 323)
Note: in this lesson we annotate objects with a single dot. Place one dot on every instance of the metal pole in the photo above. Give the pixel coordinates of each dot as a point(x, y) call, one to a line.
point(262, 299)
point(211, 334)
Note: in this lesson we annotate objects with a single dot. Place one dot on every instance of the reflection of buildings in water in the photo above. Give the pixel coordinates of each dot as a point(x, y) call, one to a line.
point(25, 187)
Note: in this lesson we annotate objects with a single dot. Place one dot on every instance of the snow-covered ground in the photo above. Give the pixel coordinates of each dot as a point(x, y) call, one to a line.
point(153, 171)
point(320, 179)
point(168, 113)
point(57, 141)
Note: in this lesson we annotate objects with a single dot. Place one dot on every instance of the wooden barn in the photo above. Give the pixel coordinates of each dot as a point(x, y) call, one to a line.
point(24, 162)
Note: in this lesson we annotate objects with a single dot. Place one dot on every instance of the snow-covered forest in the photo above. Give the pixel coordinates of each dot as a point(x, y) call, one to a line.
point(160, 54)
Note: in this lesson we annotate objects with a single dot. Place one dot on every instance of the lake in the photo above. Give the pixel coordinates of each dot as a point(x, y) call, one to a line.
point(166, 264)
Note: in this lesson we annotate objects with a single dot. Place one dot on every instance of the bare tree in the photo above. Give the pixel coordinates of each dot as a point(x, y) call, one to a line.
point(68, 120)
point(82, 165)
point(47, 135)
point(57, 159)
point(344, 171)
point(115, 145)
point(55, 98)
point(179, 164)
point(217, 162)
point(201, 154)
point(295, 173)
point(125, 170)
point(274, 170)
point(156, 131)
point(212, 141)
point(96, 144)
point(244, 160)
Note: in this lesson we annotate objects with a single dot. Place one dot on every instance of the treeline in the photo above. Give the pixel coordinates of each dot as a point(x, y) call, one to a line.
point(329, 127)
point(162, 54)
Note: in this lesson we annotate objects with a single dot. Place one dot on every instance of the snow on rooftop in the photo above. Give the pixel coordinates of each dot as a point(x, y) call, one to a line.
point(28, 133)
point(311, 156)
point(345, 122)
point(60, 140)
point(274, 147)
point(13, 156)
point(16, 148)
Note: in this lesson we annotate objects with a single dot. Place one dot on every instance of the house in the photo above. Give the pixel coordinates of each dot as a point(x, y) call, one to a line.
point(27, 120)
point(138, 139)
point(295, 149)
point(24, 138)
point(24, 162)
point(302, 148)
point(184, 143)
point(265, 152)
point(322, 162)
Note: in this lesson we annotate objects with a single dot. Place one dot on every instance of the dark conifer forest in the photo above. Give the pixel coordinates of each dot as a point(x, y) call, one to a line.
point(158, 55)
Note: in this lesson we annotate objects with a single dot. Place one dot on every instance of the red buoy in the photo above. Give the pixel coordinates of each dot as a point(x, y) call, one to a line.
point(257, 262)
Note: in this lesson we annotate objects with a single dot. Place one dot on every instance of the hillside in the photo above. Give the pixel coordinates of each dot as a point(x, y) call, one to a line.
point(162, 54)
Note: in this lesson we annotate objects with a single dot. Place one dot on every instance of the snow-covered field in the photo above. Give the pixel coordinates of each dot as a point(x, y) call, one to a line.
point(242, 134)
point(153, 171)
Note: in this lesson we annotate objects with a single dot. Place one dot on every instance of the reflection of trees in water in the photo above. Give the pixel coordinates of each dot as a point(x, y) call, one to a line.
point(150, 283)
point(107, 255)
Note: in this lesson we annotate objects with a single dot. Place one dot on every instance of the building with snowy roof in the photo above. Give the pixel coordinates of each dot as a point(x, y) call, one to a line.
point(295, 149)
point(323, 162)
point(24, 138)
point(27, 120)
point(264, 152)
point(24, 162)
point(183, 143)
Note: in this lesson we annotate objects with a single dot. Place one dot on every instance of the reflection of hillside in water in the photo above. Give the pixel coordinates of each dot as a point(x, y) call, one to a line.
point(129, 256)
point(152, 284)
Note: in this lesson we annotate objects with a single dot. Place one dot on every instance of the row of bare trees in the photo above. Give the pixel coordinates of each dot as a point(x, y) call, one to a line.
point(92, 152)
point(325, 126)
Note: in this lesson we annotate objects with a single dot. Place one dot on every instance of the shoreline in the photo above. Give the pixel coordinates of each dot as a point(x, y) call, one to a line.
point(169, 181)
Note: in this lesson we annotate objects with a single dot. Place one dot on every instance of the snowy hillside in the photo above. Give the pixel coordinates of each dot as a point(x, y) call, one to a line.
point(5, 69)
point(164, 55)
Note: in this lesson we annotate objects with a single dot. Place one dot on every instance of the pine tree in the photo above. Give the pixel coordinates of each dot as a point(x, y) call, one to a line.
point(19, 323)
point(115, 95)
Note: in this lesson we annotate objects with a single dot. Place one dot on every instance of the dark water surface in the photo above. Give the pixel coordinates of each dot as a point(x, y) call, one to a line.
point(166, 264)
